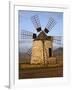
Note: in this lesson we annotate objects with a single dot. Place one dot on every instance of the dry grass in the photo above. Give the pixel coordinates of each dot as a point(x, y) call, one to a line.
point(23, 66)
point(36, 71)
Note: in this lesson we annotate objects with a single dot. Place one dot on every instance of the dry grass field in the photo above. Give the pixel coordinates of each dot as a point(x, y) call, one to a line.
point(40, 71)
point(29, 71)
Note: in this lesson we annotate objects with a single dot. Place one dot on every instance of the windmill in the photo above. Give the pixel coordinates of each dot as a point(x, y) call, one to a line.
point(42, 46)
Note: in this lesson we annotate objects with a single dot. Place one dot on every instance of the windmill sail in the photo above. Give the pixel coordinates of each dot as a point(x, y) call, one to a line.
point(58, 40)
point(51, 23)
point(25, 43)
point(25, 35)
point(36, 22)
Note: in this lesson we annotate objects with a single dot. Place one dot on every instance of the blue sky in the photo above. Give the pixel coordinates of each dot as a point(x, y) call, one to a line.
point(25, 23)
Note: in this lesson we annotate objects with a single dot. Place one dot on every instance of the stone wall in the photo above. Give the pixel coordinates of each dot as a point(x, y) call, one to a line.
point(38, 57)
point(37, 52)
point(47, 45)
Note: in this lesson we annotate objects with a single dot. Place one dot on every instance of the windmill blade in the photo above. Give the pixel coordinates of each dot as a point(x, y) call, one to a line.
point(36, 22)
point(51, 23)
point(25, 35)
point(58, 40)
point(29, 51)
point(25, 32)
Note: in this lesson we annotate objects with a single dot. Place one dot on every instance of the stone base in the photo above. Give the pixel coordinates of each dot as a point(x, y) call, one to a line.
point(51, 60)
point(37, 53)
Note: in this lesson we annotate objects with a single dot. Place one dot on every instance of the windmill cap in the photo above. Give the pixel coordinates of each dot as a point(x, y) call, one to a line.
point(43, 36)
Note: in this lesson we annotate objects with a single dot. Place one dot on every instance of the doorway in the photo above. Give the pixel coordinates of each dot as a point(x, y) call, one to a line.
point(50, 52)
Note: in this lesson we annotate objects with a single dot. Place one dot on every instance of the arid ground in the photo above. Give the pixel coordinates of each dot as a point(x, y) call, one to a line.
point(27, 71)
point(39, 71)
